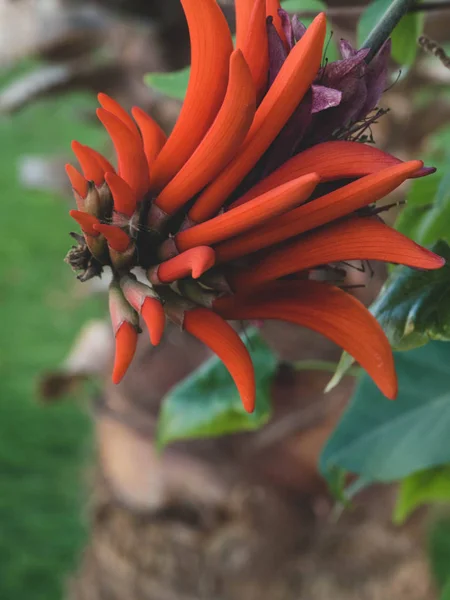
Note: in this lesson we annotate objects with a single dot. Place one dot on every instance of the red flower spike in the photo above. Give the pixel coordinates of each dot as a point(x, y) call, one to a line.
point(86, 221)
point(243, 11)
point(272, 8)
point(192, 263)
point(331, 161)
point(256, 48)
point(88, 162)
point(211, 46)
point(77, 181)
point(249, 215)
point(130, 153)
point(153, 136)
point(323, 210)
point(354, 239)
point(325, 309)
point(117, 239)
point(153, 314)
point(102, 161)
point(123, 196)
point(221, 338)
point(288, 89)
point(126, 342)
point(220, 143)
point(114, 108)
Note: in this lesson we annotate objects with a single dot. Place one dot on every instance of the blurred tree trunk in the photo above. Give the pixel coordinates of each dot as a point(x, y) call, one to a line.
point(243, 516)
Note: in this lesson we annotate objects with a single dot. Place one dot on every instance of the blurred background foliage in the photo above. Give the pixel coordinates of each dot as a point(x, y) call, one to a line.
point(46, 97)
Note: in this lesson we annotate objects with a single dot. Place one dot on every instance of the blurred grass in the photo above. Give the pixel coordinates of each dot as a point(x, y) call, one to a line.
point(43, 450)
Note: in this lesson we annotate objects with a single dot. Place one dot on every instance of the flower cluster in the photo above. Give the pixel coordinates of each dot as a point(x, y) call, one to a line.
point(263, 181)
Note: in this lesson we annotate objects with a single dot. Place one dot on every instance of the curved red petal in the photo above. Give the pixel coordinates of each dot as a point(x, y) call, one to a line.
point(272, 8)
point(320, 211)
point(114, 108)
point(153, 314)
point(77, 181)
point(219, 144)
point(89, 163)
point(123, 196)
point(288, 89)
point(86, 221)
point(221, 338)
point(245, 217)
point(243, 10)
point(130, 153)
point(327, 310)
point(211, 46)
point(256, 48)
point(126, 342)
point(354, 239)
point(102, 161)
point(153, 136)
point(331, 161)
point(117, 239)
point(193, 262)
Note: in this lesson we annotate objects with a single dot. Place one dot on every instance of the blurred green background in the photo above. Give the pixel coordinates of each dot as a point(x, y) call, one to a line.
point(43, 448)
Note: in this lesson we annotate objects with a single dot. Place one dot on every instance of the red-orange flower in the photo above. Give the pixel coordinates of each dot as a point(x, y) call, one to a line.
point(194, 210)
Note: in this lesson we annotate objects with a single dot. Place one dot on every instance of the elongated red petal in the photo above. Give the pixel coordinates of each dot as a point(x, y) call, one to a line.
point(193, 263)
point(221, 338)
point(153, 314)
point(86, 221)
point(249, 215)
point(78, 182)
point(88, 162)
point(327, 310)
point(243, 10)
point(102, 161)
point(272, 7)
point(123, 196)
point(289, 87)
point(126, 342)
point(114, 108)
point(153, 136)
point(331, 161)
point(323, 210)
point(354, 239)
point(130, 153)
point(211, 46)
point(220, 143)
point(256, 48)
point(117, 239)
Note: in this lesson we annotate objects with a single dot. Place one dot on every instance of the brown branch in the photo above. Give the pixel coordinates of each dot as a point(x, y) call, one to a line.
point(356, 11)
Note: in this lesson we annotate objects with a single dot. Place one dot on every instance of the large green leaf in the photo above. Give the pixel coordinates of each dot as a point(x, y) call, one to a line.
point(384, 441)
point(414, 306)
point(404, 36)
point(425, 487)
point(172, 84)
point(207, 403)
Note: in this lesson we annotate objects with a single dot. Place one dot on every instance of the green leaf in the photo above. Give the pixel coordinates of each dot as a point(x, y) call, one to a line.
point(299, 6)
point(439, 553)
point(413, 307)
point(404, 36)
point(172, 84)
point(424, 487)
point(435, 224)
point(382, 440)
point(207, 403)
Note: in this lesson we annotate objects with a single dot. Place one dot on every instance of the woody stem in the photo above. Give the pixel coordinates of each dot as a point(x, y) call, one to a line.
point(385, 26)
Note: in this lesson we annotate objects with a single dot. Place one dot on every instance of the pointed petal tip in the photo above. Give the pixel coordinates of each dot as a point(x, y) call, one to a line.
point(424, 171)
point(126, 342)
point(117, 239)
point(220, 337)
point(77, 181)
point(153, 314)
point(86, 221)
